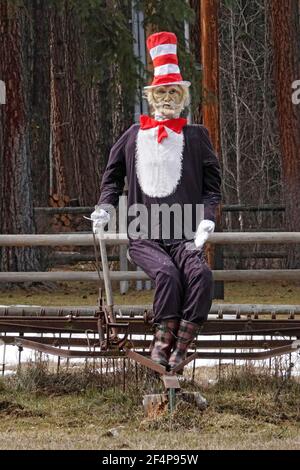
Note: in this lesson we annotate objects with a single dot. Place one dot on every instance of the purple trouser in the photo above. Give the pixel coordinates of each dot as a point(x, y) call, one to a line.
point(183, 280)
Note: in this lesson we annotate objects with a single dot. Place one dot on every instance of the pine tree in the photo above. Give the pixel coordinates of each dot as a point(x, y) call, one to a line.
point(16, 195)
point(286, 33)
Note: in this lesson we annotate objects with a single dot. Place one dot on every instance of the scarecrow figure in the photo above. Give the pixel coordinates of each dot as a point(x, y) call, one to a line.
point(167, 164)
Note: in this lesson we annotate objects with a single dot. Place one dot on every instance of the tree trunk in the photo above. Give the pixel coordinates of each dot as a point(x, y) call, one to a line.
point(210, 62)
point(40, 103)
point(83, 120)
point(237, 120)
point(195, 41)
point(122, 111)
point(64, 174)
point(74, 121)
point(16, 201)
point(211, 107)
point(286, 33)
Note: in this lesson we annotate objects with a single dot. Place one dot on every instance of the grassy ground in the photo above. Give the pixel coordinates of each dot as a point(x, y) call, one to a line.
point(80, 293)
point(246, 410)
point(76, 411)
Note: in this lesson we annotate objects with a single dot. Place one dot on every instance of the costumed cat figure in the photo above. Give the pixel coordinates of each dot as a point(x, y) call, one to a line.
point(169, 164)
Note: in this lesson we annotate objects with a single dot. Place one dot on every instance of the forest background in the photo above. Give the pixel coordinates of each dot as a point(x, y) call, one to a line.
point(74, 83)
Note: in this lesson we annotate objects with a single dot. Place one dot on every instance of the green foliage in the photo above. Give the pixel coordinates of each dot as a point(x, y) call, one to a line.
point(108, 34)
point(106, 28)
point(171, 15)
point(166, 15)
point(229, 3)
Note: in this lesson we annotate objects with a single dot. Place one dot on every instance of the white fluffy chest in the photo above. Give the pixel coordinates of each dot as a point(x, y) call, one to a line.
point(159, 166)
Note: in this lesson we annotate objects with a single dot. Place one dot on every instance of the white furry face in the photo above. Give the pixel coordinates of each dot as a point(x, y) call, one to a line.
point(167, 100)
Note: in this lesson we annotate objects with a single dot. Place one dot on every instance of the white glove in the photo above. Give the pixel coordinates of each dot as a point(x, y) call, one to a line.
point(100, 218)
point(205, 228)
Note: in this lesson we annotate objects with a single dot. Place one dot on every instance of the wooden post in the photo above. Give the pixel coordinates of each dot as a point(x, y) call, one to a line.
point(139, 283)
point(124, 285)
point(211, 110)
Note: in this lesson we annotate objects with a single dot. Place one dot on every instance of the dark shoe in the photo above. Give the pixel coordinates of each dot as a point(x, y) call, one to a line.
point(165, 336)
point(186, 333)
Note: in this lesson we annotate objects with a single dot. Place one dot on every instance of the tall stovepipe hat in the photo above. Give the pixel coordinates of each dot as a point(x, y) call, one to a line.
point(163, 51)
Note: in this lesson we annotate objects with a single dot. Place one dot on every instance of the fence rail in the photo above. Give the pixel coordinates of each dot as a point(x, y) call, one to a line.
point(91, 276)
point(225, 208)
point(242, 322)
point(253, 208)
point(122, 239)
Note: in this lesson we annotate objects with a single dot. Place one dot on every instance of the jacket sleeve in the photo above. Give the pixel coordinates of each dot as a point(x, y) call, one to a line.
point(211, 177)
point(112, 183)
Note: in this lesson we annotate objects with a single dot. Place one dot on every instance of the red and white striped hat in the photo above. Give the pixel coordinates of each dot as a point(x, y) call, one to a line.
point(163, 51)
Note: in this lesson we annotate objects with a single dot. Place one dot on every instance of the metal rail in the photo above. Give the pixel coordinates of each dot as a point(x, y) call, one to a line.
point(142, 357)
point(137, 326)
point(139, 310)
point(138, 344)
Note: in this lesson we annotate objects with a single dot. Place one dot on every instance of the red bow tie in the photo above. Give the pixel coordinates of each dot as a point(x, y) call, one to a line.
point(175, 125)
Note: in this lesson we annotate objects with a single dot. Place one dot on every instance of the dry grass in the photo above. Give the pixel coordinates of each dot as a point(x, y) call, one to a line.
point(80, 293)
point(81, 410)
point(40, 410)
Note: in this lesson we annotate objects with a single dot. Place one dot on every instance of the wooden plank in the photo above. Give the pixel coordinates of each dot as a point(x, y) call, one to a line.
point(80, 239)
point(63, 210)
point(63, 257)
point(255, 255)
point(91, 276)
point(61, 276)
point(225, 208)
point(252, 208)
point(257, 275)
point(254, 237)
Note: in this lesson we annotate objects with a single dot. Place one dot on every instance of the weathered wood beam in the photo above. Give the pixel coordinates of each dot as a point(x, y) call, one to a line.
point(225, 208)
point(91, 276)
point(120, 239)
point(64, 210)
point(252, 208)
